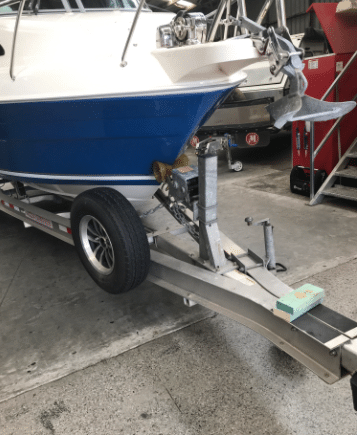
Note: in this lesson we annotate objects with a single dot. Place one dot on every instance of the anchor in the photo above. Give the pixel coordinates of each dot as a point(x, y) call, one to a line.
point(284, 57)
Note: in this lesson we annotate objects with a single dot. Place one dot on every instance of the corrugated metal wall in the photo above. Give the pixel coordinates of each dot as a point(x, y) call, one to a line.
point(297, 19)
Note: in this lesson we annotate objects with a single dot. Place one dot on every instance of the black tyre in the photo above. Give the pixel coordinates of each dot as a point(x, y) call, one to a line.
point(110, 239)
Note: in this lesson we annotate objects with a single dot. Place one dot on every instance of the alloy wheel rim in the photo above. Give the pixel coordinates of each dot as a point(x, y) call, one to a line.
point(97, 245)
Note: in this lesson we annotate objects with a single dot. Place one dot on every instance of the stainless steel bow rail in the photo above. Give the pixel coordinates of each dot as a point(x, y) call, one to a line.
point(212, 270)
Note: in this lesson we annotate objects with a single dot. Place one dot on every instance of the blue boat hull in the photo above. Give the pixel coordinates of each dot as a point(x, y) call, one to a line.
point(99, 141)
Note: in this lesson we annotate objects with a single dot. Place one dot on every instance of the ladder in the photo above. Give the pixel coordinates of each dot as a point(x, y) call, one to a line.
point(343, 170)
point(325, 189)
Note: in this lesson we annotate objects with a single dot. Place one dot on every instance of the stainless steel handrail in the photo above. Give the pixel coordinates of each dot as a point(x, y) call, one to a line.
point(66, 6)
point(211, 14)
point(19, 13)
point(332, 129)
point(280, 13)
point(9, 3)
point(264, 11)
point(216, 21)
point(80, 5)
point(312, 158)
point(242, 12)
point(228, 20)
point(123, 63)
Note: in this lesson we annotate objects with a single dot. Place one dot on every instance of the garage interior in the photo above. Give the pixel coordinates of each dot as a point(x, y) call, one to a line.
point(75, 359)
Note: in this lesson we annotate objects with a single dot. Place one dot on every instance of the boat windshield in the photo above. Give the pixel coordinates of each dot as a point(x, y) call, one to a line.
point(58, 5)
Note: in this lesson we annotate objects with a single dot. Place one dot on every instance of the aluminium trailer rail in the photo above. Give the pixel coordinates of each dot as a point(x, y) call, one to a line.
point(220, 275)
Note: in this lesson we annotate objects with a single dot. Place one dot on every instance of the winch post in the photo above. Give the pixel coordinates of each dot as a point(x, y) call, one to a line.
point(210, 246)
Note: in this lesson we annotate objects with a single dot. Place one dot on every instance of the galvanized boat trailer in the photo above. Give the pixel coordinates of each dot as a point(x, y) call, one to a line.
point(213, 271)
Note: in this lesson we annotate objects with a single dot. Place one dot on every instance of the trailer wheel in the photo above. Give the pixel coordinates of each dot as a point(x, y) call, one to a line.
point(237, 166)
point(110, 239)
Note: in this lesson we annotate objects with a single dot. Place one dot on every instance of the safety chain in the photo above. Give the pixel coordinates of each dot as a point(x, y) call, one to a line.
point(180, 217)
point(152, 211)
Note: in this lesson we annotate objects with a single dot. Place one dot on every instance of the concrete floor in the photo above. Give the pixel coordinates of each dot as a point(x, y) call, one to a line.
point(74, 359)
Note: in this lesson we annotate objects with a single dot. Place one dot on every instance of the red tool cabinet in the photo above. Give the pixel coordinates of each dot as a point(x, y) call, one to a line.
point(321, 71)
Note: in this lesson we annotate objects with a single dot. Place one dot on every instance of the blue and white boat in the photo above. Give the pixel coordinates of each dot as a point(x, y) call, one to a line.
point(75, 114)
point(95, 93)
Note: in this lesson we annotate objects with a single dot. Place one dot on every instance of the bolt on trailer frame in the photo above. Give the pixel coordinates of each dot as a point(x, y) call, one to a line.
point(212, 270)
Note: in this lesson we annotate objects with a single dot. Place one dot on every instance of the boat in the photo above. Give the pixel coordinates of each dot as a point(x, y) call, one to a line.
point(95, 95)
point(74, 115)
point(89, 98)
point(90, 104)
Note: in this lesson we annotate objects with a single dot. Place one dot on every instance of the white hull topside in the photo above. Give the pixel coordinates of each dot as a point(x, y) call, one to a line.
point(77, 55)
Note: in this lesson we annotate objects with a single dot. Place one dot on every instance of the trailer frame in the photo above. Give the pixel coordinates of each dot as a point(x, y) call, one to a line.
point(213, 271)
